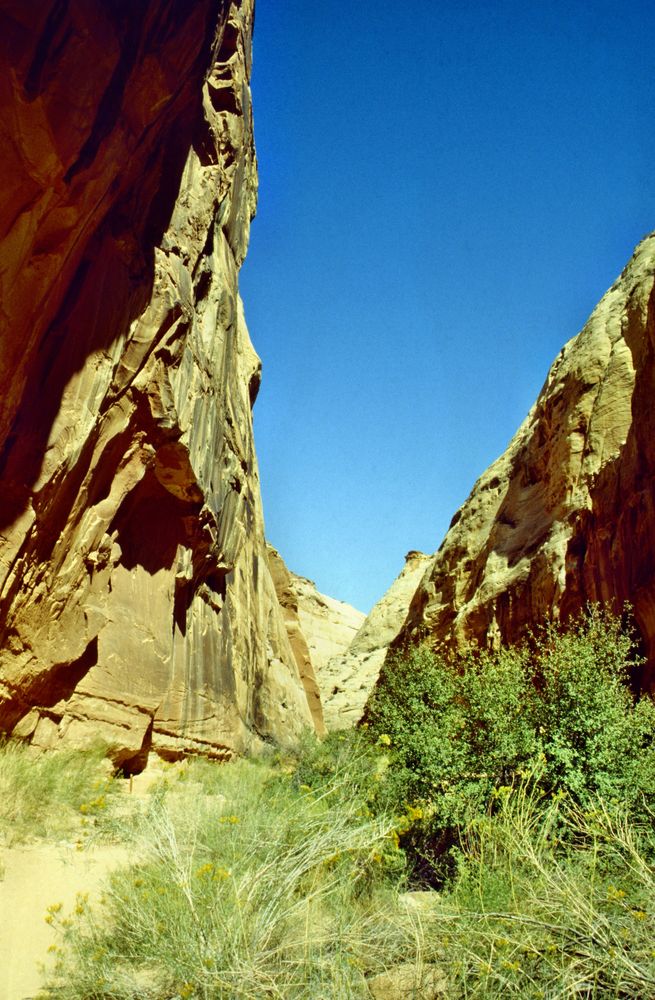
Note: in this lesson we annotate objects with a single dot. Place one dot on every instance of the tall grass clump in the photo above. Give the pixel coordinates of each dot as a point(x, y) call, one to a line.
point(528, 917)
point(47, 794)
point(247, 886)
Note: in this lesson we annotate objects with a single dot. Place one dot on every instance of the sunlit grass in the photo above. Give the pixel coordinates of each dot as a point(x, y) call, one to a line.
point(245, 887)
point(51, 794)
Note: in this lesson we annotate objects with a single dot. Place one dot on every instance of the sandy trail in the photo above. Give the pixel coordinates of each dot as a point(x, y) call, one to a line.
point(36, 876)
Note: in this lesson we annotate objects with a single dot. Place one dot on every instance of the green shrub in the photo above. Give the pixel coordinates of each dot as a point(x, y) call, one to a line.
point(559, 708)
point(593, 737)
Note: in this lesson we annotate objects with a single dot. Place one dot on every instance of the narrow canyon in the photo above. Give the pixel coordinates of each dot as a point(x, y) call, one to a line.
point(139, 601)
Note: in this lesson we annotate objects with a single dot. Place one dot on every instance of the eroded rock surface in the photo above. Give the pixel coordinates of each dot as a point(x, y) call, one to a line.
point(288, 598)
point(136, 602)
point(319, 628)
point(566, 515)
point(348, 678)
point(328, 624)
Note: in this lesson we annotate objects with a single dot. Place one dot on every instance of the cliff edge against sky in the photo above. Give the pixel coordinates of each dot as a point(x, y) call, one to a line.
point(566, 515)
point(136, 602)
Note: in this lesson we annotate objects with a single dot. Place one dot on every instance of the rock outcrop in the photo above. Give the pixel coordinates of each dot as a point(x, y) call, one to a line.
point(329, 625)
point(288, 598)
point(347, 679)
point(136, 602)
point(567, 514)
point(319, 628)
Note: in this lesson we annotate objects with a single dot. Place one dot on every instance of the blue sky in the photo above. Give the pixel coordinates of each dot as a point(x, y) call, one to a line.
point(446, 190)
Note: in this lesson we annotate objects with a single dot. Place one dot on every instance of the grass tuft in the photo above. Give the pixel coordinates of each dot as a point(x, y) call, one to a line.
point(247, 887)
point(51, 794)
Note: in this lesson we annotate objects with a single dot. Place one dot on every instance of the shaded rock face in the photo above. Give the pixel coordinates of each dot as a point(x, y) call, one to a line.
point(136, 602)
point(348, 677)
point(288, 598)
point(566, 515)
point(319, 628)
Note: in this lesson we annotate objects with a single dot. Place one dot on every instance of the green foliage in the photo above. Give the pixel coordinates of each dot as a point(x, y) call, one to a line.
point(51, 793)
point(559, 709)
point(344, 763)
point(594, 738)
point(526, 919)
point(248, 886)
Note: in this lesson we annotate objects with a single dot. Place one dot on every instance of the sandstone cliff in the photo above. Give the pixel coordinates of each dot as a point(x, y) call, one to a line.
point(329, 625)
point(319, 628)
point(567, 514)
point(136, 602)
point(347, 679)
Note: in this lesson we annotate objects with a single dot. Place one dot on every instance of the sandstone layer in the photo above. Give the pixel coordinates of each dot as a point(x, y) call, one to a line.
point(319, 628)
point(136, 602)
point(347, 679)
point(566, 515)
point(329, 625)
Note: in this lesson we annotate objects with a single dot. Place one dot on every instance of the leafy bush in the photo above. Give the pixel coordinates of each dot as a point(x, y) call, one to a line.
point(594, 737)
point(559, 708)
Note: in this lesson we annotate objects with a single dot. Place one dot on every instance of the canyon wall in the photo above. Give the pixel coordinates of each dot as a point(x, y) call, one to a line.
point(567, 514)
point(349, 676)
point(136, 602)
point(320, 631)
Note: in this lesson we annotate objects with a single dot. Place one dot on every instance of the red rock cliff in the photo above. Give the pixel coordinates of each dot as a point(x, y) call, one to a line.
point(136, 602)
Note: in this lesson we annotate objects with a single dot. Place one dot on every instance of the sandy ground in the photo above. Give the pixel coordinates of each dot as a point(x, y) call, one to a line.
point(36, 876)
point(40, 874)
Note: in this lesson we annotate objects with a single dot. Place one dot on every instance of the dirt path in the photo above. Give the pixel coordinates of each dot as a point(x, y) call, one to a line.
point(36, 876)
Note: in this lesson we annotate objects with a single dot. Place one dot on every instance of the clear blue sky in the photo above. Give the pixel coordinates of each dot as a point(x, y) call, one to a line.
point(446, 190)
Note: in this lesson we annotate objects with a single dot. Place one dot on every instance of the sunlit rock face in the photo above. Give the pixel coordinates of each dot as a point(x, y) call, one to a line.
point(136, 603)
point(287, 595)
point(567, 514)
point(320, 630)
point(349, 676)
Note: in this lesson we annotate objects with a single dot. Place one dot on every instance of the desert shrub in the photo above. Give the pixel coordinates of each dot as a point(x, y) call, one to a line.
point(255, 888)
point(559, 708)
point(345, 762)
point(594, 738)
point(524, 918)
point(48, 793)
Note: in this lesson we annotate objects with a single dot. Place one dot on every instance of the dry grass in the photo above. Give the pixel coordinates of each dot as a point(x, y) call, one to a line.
point(51, 794)
point(551, 901)
point(247, 888)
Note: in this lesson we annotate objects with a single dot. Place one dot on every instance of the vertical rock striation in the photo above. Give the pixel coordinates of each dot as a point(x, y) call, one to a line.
point(320, 630)
point(136, 603)
point(283, 580)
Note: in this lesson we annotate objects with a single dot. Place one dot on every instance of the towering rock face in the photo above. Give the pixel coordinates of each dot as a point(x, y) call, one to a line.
point(567, 514)
point(136, 602)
